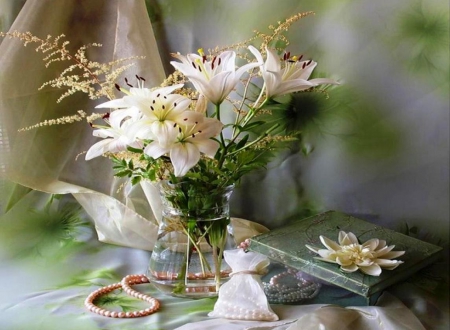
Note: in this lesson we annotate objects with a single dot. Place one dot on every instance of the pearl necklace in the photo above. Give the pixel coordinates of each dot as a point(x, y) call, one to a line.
point(298, 289)
point(125, 284)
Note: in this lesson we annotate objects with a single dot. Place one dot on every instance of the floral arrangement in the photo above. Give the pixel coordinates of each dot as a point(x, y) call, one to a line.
point(206, 126)
point(370, 257)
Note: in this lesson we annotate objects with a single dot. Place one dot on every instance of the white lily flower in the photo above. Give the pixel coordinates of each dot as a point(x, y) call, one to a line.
point(118, 136)
point(191, 141)
point(291, 77)
point(370, 257)
point(161, 112)
point(217, 77)
point(162, 116)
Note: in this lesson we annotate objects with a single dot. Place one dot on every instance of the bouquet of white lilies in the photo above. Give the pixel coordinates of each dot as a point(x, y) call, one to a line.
point(181, 133)
point(159, 123)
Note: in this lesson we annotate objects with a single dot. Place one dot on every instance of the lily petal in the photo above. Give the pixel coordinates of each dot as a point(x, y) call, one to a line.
point(331, 245)
point(347, 238)
point(98, 149)
point(155, 150)
point(371, 244)
point(388, 264)
point(312, 248)
point(364, 263)
point(379, 252)
point(373, 270)
point(184, 156)
point(289, 78)
point(350, 268)
point(208, 147)
point(165, 131)
point(327, 254)
point(344, 260)
point(392, 254)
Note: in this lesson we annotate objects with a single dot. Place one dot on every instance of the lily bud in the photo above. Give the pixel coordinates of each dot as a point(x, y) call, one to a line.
point(201, 104)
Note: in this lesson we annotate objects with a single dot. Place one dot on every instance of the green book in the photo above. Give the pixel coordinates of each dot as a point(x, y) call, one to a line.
point(287, 245)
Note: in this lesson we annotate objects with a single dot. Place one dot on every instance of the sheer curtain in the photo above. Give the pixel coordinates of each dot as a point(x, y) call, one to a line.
point(45, 159)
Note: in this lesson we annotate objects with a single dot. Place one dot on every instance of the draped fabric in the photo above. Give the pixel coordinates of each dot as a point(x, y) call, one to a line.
point(45, 159)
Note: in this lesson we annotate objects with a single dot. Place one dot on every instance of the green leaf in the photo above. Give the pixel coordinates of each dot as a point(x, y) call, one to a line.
point(135, 180)
point(135, 150)
point(242, 142)
point(123, 173)
point(252, 125)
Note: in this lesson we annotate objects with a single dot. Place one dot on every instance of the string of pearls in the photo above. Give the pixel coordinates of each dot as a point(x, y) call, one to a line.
point(294, 289)
point(278, 292)
point(125, 284)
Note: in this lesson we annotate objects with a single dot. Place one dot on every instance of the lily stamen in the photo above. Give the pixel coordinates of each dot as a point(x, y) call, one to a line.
point(202, 68)
point(128, 84)
point(140, 81)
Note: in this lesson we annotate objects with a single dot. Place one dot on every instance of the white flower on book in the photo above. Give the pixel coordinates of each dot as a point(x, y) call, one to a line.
point(370, 257)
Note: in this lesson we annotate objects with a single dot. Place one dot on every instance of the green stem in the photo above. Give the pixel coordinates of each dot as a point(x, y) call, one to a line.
point(186, 271)
point(222, 139)
point(219, 259)
point(203, 260)
point(252, 113)
point(244, 96)
point(217, 267)
point(255, 141)
point(223, 149)
point(260, 95)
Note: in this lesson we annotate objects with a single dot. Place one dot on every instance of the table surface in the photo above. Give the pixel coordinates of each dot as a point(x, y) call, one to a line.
point(52, 260)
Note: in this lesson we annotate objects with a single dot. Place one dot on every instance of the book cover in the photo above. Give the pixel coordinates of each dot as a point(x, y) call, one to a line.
point(287, 245)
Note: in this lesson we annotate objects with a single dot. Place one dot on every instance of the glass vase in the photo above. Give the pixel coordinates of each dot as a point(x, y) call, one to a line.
point(187, 259)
